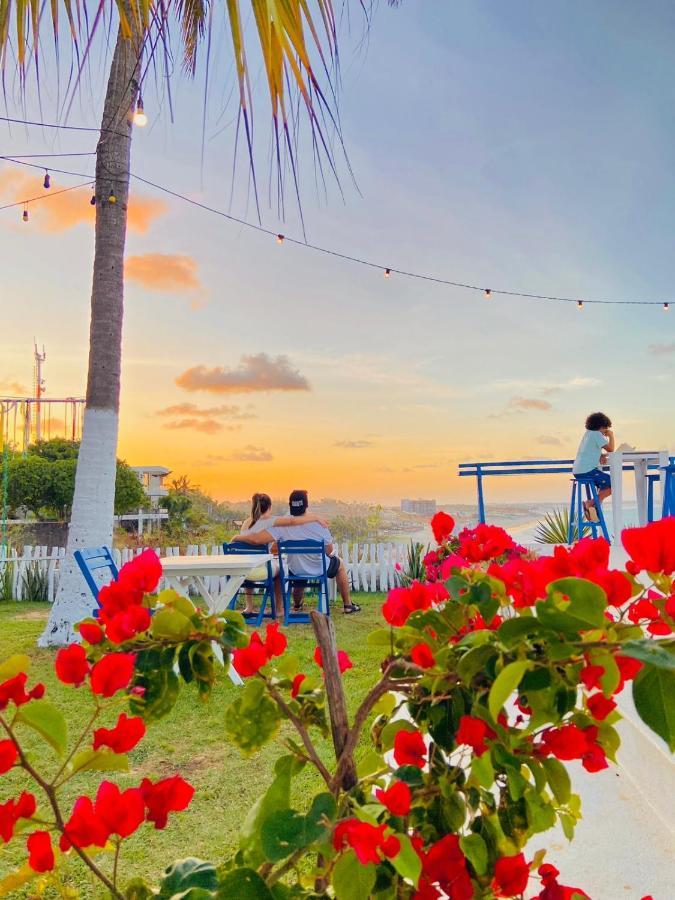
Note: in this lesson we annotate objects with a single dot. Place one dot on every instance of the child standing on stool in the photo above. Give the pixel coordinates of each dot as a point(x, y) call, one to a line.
point(598, 440)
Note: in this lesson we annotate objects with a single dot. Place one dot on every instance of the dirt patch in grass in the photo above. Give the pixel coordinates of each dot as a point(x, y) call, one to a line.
point(35, 615)
point(164, 767)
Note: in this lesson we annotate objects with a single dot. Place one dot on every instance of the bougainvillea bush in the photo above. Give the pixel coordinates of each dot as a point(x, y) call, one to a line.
point(496, 671)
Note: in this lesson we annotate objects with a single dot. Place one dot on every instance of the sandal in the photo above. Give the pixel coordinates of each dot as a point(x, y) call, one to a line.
point(352, 608)
point(250, 615)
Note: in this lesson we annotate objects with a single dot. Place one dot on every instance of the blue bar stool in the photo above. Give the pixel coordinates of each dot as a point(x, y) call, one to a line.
point(669, 490)
point(652, 479)
point(578, 524)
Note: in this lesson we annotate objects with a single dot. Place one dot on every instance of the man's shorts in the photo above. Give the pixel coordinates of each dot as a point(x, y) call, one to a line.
point(332, 569)
point(600, 479)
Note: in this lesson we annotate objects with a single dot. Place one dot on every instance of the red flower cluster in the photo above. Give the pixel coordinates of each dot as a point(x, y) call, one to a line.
point(122, 812)
point(12, 811)
point(554, 891)
point(511, 876)
point(8, 755)
point(571, 742)
point(651, 548)
point(122, 611)
point(112, 673)
point(485, 542)
point(422, 655)
point(444, 871)
point(645, 611)
point(397, 798)
point(366, 840)
point(40, 851)
point(123, 737)
point(474, 732)
point(442, 526)
point(410, 749)
point(14, 691)
point(71, 665)
point(401, 602)
point(250, 660)
point(344, 662)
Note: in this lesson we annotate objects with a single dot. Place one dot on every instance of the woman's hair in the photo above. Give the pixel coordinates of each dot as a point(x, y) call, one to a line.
point(260, 503)
point(597, 421)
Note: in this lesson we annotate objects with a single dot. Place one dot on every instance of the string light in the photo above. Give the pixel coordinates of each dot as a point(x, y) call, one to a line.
point(580, 304)
point(140, 117)
point(46, 184)
point(387, 273)
point(488, 293)
point(93, 199)
point(25, 214)
point(666, 307)
point(281, 238)
point(112, 199)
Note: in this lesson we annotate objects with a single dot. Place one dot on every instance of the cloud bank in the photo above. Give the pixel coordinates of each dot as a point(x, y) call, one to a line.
point(255, 373)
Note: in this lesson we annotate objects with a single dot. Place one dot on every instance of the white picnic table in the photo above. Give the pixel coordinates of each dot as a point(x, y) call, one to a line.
point(217, 578)
point(640, 460)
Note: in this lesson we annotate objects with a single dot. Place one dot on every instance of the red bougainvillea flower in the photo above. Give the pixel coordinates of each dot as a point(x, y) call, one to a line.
point(249, 660)
point(445, 865)
point(14, 691)
point(91, 632)
point(484, 542)
point(410, 749)
point(642, 609)
point(344, 662)
point(590, 676)
point(169, 795)
point(297, 682)
point(422, 655)
point(511, 876)
point(71, 665)
point(454, 561)
point(84, 828)
point(442, 526)
point(401, 602)
point(366, 840)
point(652, 547)
point(40, 851)
point(554, 891)
point(123, 737)
point(120, 812)
point(117, 597)
point(524, 580)
point(142, 572)
point(571, 742)
point(275, 641)
point(8, 755)
point(397, 798)
point(474, 732)
point(112, 673)
point(600, 706)
point(12, 811)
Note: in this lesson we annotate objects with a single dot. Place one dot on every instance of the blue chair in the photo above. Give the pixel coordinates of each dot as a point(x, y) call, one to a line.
point(266, 585)
point(299, 579)
point(96, 559)
point(578, 524)
point(669, 490)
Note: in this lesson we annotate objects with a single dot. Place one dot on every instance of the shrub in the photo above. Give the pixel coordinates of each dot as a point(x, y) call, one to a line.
point(35, 583)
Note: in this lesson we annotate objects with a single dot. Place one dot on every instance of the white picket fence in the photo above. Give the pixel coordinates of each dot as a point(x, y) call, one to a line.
point(372, 566)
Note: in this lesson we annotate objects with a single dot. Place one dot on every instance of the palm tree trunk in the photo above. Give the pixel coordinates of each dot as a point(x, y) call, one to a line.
point(91, 523)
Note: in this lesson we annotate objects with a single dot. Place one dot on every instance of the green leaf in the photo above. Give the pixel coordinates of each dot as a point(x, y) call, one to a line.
point(170, 623)
point(100, 761)
point(505, 684)
point(558, 778)
point(573, 605)
point(43, 717)
point(252, 726)
point(243, 884)
point(407, 862)
point(513, 631)
point(474, 661)
point(540, 814)
point(187, 873)
point(654, 698)
point(17, 663)
point(289, 665)
point(655, 653)
point(321, 813)
point(385, 705)
point(282, 834)
point(277, 797)
point(475, 849)
point(380, 637)
point(351, 880)
point(155, 674)
point(371, 762)
point(482, 770)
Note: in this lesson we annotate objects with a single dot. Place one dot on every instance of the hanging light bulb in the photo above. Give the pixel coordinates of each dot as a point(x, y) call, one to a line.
point(111, 197)
point(488, 293)
point(281, 238)
point(387, 273)
point(46, 184)
point(140, 117)
point(666, 307)
point(580, 304)
point(25, 214)
point(93, 199)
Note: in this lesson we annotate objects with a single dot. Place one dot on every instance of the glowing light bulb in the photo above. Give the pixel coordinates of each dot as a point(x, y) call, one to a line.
point(387, 273)
point(280, 238)
point(140, 117)
point(46, 184)
point(580, 304)
point(25, 214)
point(666, 307)
point(111, 197)
point(488, 293)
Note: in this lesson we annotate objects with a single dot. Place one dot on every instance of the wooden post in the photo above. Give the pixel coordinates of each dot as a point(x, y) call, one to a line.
point(335, 695)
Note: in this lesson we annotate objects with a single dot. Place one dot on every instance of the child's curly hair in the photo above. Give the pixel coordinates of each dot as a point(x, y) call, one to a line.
point(597, 421)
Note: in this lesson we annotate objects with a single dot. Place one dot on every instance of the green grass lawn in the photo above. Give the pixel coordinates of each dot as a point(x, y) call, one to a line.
point(190, 741)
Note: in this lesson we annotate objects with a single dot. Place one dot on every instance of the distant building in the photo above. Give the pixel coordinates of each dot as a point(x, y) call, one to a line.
point(419, 507)
point(152, 478)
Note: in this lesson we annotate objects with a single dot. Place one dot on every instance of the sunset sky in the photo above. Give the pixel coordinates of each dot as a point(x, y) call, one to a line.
point(524, 146)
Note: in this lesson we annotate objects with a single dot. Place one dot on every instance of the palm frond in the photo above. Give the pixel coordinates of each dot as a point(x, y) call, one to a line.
point(554, 528)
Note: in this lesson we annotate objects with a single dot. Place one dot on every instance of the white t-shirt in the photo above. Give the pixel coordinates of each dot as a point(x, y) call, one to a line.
point(588, 454)
point(303, 563)
point(261, 525)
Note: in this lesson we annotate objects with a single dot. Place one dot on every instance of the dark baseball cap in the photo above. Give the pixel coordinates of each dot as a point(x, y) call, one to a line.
point(298, 503)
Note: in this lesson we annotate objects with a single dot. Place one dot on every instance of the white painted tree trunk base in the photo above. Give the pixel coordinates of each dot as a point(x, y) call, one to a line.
point(91, 523)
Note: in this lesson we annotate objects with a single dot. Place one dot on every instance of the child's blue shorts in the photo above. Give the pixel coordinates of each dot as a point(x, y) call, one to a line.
point(601, 479)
